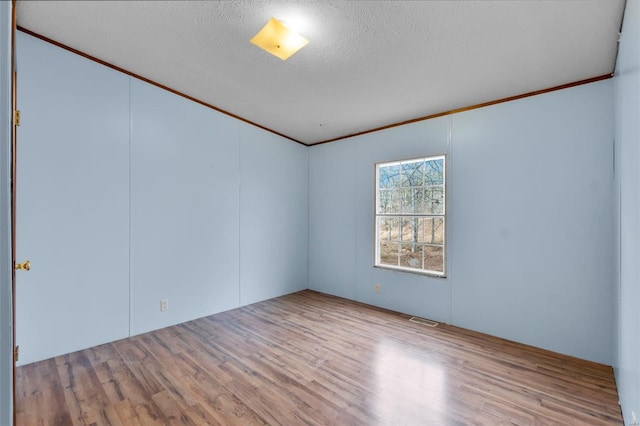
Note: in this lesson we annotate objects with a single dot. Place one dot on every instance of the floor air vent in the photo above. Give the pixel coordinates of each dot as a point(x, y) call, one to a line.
point(423, 321)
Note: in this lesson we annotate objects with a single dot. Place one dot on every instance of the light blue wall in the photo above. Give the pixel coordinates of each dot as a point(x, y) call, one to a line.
point(341, 198)
point(72, 202)
point(6, 339)
point(530, 222)
point(627, 133)
point(274, 216)
point(184, 209)
point(332, 180)
point(129, 195)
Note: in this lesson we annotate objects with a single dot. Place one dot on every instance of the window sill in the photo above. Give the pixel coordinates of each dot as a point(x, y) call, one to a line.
point(411, 271)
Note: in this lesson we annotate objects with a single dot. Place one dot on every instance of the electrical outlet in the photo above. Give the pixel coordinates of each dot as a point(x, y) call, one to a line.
point(377, 288)
point(164, 305)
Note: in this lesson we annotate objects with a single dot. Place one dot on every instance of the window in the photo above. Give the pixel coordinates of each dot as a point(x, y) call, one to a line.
point(410, 215)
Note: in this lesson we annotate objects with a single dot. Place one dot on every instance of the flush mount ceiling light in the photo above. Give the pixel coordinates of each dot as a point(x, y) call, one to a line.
point(277, 39)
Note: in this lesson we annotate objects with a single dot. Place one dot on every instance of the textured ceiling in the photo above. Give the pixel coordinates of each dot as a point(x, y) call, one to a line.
point(368, 63)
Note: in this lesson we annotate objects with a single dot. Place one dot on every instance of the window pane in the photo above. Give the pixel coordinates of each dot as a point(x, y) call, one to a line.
point(434, 258)
point(388, 229)
point(413, 173)
point(431, 230)
point(410, 229)
point(389, 201)
point(389, 176)
point(389, 253)
point(433, 200)
point(411, 255)
point(410, 198)
point(434, 172)
point(384, 230)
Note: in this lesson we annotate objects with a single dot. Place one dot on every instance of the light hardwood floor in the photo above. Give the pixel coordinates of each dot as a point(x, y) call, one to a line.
point(309, 358)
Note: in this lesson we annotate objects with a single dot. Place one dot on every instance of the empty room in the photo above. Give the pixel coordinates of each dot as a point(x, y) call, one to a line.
point(320, 212)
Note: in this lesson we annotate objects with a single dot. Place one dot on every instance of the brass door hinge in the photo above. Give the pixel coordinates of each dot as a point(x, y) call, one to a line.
point(16, 353)
point(16, 117)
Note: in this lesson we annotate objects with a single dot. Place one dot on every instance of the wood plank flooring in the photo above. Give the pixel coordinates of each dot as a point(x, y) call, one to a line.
point(309, 358)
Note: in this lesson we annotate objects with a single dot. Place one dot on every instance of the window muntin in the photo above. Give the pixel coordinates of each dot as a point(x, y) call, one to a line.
point(410, 215)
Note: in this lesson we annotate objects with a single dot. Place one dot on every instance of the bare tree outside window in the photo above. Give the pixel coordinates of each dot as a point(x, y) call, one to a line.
point(410, 215)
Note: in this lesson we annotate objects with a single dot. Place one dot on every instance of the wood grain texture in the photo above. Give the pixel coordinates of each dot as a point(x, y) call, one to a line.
point(310, 358)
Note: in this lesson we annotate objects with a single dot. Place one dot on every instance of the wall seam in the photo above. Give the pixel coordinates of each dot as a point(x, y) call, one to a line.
point(308, 151)
point(130, 220)
point(448, 175)
point(239, 214)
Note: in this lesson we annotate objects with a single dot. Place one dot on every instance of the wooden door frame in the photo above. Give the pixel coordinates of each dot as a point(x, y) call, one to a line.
point(14, 107)
point(7, 64)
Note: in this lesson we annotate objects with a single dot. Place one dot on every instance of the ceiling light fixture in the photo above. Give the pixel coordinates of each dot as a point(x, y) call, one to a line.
point(276, 38)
